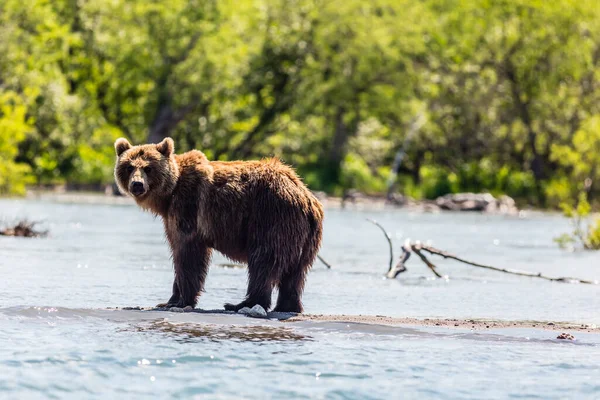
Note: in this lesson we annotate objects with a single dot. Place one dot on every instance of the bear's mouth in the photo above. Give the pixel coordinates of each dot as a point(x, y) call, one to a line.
point(138, 193)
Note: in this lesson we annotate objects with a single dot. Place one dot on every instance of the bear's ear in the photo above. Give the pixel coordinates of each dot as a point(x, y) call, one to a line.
point(121, 146)
point(166, 147)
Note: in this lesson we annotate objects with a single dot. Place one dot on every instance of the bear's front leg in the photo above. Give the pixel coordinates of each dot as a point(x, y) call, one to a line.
point(191, 259)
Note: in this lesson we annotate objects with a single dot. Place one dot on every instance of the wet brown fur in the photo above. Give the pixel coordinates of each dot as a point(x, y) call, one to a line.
point(255, 212)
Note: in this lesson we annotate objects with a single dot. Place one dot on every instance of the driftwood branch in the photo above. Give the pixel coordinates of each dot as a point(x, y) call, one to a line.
point(324, 262)
point(447, 255)
point(418, 248)
point(23, 228)
point(400, 267)
point(389, 240)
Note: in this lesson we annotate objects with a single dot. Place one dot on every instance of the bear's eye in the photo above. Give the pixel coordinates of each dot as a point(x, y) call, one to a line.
point(130, 169)
point(147, 170)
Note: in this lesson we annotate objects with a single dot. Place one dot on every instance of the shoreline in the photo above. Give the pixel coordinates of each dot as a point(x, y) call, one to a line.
point(451, 323)
point(355, 202)
point(381, 320)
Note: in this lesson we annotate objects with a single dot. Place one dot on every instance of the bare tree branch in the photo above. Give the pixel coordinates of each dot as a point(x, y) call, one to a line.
point(400, 267)
point(389, 240)
point(324, 262)
point(186, 52)
point(444, 254)
point(416, 248)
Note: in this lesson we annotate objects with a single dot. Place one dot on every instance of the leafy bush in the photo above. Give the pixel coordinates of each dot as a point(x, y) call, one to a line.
point(13, 127)
point(585, 232)
point(478, 177)
point(558, 191)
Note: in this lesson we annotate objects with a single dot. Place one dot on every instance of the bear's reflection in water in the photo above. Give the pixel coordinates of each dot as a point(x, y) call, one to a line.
point(215, 333)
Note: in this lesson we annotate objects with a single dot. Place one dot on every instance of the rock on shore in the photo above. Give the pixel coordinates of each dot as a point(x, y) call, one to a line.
point(478, 202)
point(483, 202)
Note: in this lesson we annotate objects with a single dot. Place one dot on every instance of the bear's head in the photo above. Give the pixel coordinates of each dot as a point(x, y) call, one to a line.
point(147, 172)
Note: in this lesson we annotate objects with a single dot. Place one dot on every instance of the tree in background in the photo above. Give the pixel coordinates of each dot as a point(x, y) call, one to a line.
point(507, 90)
point(505, 81)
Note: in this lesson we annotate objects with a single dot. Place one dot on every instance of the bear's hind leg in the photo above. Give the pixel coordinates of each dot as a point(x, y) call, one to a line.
point(290, 291)
point(291, 284)
point(174, 298)
point(260, 284)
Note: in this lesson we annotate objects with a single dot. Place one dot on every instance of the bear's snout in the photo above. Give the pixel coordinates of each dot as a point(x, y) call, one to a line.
point(137, 188)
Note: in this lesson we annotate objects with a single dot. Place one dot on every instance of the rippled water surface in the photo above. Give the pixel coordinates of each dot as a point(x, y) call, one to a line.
point(58, 340)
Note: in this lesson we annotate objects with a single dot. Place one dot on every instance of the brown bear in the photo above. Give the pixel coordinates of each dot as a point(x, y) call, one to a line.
point(255, 212)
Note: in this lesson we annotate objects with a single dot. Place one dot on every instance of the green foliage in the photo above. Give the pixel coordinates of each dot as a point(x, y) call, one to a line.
point(585, 232)
point(580, 156)
point(435, 181)
point(593, 237)
point(13, 127)
point(558, 190)
point(96, 159)
point(508, 90)
point(355, 173)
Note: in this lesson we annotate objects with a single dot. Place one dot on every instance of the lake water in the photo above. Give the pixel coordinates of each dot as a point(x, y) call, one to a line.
point(58, 340)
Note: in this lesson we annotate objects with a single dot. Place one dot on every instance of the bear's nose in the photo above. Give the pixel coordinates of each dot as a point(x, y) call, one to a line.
point(137, 188)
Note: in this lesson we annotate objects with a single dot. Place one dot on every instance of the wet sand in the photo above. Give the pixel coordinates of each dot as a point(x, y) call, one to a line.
point(446, 323)
point(474, 324)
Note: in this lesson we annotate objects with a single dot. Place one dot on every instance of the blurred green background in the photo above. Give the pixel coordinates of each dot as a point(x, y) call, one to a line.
point(496, 95)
